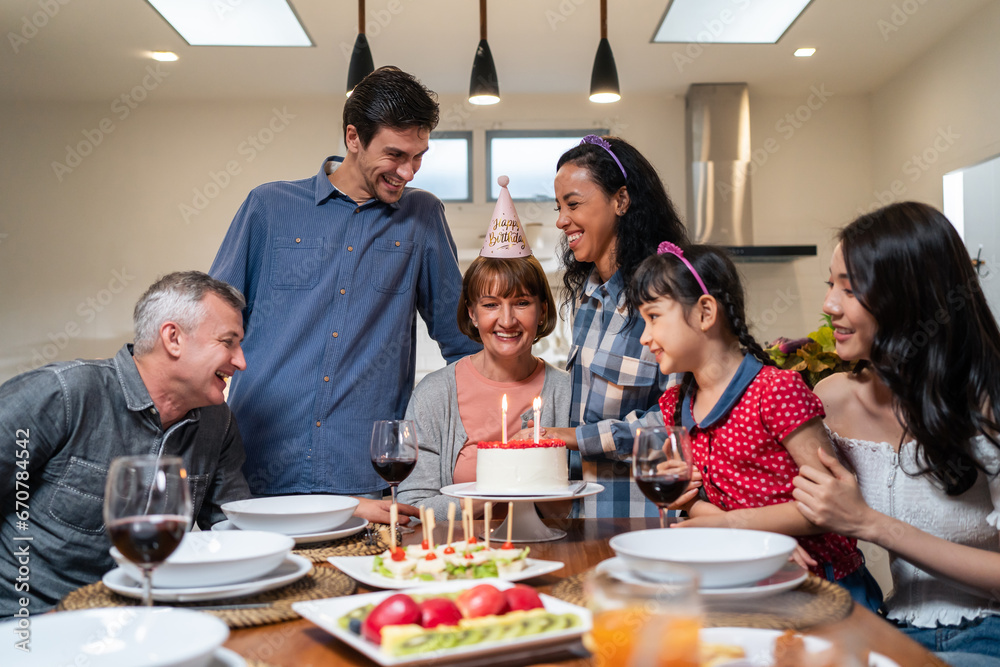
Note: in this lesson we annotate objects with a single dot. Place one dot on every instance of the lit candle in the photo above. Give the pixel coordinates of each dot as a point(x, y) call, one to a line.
point(503, 420)
point(537, 403)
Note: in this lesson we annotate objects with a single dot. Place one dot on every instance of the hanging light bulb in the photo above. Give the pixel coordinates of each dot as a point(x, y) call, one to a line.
point(604, 76)
point(361, 58)
point(484, 88)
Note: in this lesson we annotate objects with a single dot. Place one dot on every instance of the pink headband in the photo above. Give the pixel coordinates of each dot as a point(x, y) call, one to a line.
point(669, 248)
point(603, 143)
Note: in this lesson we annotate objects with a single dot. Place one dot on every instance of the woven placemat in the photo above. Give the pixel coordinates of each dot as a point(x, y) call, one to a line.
point(321, 582)
point(373, 540)
point(815, 602)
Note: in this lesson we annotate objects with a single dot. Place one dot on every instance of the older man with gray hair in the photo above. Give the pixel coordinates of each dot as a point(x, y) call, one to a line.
point(61, 426)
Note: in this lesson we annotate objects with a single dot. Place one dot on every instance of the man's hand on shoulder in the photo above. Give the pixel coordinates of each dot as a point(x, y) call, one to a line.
point(377, 511)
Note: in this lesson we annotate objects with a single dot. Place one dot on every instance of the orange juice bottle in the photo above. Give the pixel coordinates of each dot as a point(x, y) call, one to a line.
point(634, 636)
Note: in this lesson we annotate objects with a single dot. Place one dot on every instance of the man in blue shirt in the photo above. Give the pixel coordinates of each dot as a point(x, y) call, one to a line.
point(335, 269)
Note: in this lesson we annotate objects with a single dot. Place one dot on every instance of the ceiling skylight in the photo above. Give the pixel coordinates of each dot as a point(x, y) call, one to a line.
point(234, 22)
point(728, 21)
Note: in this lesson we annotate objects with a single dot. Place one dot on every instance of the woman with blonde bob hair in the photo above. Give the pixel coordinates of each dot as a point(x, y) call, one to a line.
point(506, 304)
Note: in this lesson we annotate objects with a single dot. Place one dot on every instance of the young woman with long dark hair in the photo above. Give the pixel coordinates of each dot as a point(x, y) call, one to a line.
point(918, 424)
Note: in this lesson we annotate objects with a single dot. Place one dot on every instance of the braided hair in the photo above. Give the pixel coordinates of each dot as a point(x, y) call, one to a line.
point(666, 275)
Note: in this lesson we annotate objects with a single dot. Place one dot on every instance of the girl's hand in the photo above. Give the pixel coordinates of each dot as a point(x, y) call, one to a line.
point(802, 557)
point(690, 495)
point(831, 498)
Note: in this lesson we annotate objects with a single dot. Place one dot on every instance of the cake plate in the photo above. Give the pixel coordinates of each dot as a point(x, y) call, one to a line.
point(528, 527)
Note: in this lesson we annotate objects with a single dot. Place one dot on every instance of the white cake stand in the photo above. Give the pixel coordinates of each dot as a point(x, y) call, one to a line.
point(527, 526)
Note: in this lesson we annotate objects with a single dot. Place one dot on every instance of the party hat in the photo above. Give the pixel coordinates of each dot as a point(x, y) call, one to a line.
point(505, 236)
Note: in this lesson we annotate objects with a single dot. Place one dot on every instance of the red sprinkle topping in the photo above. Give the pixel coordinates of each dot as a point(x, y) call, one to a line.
point(522, 444)
point(449, 550)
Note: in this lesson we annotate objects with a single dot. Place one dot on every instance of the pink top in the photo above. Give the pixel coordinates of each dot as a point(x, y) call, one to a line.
point(479, 409)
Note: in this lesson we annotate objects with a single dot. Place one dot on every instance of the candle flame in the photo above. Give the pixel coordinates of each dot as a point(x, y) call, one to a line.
point(537, 403)
point(503, 403)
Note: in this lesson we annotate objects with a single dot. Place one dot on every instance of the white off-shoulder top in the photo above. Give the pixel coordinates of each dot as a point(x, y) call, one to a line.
point(972, 518)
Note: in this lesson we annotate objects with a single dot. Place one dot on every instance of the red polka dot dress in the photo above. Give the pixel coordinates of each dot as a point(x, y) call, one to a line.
point(737, 448)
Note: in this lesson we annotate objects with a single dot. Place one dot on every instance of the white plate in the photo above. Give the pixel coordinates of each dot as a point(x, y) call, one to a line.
point(350, 527)
point(326, 613)
point(759, 646)
point(468, 490)
point(292, 515)
point(226, 658)
point(294, 568)
point(787, 578)
point(360, 568)
point(117, 637)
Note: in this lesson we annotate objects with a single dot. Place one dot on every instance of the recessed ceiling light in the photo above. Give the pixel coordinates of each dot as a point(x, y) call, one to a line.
point(804, 53)
point(163, 56)
point(231, 23)
point(728, 22)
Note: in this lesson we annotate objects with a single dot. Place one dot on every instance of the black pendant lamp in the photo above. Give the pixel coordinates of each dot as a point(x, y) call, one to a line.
point(483, 86)
point(361, 58)
point(604, 77)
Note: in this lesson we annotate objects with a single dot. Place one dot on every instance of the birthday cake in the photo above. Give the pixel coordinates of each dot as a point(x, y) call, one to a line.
point(521, 467)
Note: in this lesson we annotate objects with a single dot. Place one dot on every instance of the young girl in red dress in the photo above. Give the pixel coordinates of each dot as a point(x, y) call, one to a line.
point(752, 425)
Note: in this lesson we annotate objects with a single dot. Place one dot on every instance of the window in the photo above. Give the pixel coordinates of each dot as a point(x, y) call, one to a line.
point(529, 158)
point(446, 169)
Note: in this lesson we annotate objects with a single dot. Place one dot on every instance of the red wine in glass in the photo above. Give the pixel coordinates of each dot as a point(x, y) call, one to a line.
point(394, 471)
point(147, 509)
point(148, 540)
point(661, 464)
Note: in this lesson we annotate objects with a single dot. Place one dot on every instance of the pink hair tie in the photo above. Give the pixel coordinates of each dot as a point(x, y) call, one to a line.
point(595, 140)
point(668, 248)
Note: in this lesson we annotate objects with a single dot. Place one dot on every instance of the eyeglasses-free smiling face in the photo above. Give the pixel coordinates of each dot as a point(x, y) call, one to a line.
point(588, 217)
point(854, 327)
point(671, 335)
point(507, 325)
point(211, 352)
point(390, 160)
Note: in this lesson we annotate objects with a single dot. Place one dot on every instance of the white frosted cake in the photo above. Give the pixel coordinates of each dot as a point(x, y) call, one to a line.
point(521, 466)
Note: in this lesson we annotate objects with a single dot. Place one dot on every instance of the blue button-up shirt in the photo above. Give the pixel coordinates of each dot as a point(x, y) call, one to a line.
point(332, 293)
point(616, 386)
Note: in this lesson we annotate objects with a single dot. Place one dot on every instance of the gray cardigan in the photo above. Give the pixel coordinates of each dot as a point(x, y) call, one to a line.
point(434, 408)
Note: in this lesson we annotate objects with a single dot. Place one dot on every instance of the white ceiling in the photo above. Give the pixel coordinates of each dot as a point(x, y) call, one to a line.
point(97, 49)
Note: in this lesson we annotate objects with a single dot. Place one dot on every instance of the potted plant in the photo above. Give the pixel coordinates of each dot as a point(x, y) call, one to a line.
point(814, 357)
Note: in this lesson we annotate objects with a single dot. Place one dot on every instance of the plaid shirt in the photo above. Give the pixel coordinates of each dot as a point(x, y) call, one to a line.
point(616, 385)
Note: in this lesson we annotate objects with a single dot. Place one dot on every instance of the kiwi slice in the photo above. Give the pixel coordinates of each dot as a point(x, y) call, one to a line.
point(422, 643)
point(492, 633)
point(536, 625)
point(512, 628)
point(468, 636)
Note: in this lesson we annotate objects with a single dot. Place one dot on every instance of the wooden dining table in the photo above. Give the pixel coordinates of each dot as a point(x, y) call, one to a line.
point(300, 643)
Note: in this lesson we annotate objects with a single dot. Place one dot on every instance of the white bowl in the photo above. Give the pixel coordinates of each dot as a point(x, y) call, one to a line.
point(213, 559)
point(116, 637)
point(723, 557)
point(291, 515)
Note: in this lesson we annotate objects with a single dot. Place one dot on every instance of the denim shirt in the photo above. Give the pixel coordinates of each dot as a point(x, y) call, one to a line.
point(72, 419)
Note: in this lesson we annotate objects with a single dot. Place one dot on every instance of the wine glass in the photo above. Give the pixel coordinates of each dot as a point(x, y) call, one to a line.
point(394, 450)
point(147, 509)
point(661, 464)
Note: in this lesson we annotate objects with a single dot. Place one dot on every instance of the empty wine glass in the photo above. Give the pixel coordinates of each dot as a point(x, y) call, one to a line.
point(147, 509)
point(661, 464)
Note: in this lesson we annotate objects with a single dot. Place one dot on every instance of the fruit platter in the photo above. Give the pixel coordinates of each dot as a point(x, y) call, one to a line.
point(448, 621)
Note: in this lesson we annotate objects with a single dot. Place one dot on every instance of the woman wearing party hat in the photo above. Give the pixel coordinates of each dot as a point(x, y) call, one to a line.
point(506, 304)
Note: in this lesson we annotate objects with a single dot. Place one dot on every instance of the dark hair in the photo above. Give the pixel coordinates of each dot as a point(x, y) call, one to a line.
point(936, 344)
point(177, 297)
point(666, 275)
point(515, 276)
point(649, 220)
point(389, 97)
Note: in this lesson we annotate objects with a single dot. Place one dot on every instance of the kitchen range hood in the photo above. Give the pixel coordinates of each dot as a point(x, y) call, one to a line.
point(717, 139)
